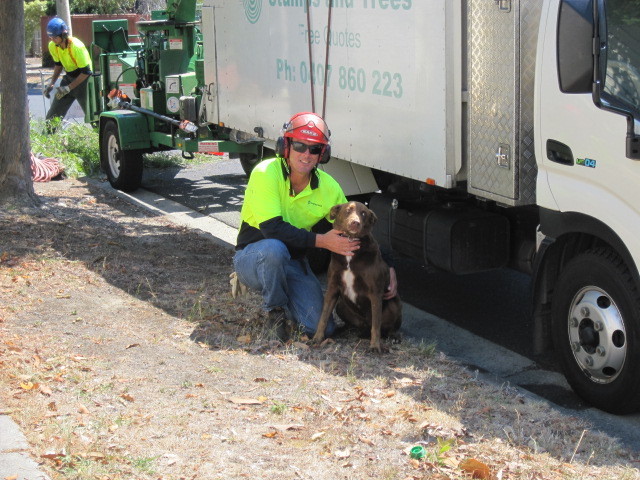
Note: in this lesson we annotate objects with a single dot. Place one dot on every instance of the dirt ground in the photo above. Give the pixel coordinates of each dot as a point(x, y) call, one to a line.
point(123, 356)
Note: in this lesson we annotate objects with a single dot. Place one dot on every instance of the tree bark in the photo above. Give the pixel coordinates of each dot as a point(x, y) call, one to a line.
point(16, 185)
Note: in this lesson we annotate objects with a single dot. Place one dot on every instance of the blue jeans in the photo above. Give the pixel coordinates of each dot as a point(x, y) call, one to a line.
point(267, 266)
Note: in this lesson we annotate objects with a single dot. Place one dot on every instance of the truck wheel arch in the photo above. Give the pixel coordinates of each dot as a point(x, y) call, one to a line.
point(567, 235)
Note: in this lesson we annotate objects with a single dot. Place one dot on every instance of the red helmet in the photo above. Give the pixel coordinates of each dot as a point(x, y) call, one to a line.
point(307, 126)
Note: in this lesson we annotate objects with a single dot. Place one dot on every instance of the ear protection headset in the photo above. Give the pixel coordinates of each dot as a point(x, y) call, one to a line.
point(304, 126)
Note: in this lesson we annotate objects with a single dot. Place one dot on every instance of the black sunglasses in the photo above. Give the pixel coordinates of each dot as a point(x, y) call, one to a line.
point(302, 147)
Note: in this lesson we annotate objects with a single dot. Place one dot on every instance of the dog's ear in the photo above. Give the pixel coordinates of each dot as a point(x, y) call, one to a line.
point(334, 211)
point(371, 218)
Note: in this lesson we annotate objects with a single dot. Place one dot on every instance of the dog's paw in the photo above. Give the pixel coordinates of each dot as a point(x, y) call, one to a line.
point(377, 347)
point(395, 338)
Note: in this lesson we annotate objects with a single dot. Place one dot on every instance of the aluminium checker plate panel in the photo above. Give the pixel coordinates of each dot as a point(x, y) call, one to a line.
point(502, 40)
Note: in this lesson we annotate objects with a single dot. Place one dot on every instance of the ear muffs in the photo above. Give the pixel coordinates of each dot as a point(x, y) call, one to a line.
point(325, 155)
point(282, 147)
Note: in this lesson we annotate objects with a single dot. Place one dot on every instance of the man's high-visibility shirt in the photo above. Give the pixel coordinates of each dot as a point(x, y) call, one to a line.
point(74, 57)
point(271, 211)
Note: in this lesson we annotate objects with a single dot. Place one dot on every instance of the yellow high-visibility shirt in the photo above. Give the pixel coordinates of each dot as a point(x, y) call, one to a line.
point(73, 57)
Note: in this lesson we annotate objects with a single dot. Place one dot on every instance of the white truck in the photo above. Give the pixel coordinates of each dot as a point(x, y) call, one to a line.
point(484, 134)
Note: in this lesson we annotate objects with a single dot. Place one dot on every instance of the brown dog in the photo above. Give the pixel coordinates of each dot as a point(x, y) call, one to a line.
point(356, 284)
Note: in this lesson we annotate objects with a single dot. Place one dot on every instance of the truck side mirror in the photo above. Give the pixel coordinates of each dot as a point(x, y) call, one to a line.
point(575, 46)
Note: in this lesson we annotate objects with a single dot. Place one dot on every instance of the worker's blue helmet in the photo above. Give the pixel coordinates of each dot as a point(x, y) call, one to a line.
point(56, 27)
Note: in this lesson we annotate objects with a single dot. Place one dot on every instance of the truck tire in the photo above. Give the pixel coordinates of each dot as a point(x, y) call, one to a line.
point(596, 330)
point(123, 167)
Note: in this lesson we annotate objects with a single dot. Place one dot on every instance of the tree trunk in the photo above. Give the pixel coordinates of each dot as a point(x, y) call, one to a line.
point(64, 12)
point(16, 185)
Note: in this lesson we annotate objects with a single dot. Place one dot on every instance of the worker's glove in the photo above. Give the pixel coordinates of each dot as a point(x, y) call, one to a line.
point(47, 91)
point(62, 91)
point(237, 287)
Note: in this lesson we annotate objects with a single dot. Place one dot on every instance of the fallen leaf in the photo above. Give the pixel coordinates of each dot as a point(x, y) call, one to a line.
point(270, 434)
point(245, 401)
point(476, 468)
point(127, 397)
point(95, 455)
point(52, 455)
point(292, 426)
point(11, 477)
point(342, 453)
point(45, 390)
point(317, 435)
point(260, 379)
point(82, 409)
point(244, 339)
point(131, 346)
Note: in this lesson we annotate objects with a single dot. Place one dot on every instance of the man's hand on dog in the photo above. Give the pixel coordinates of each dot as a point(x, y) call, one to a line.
point(392, 289)
point(336, 243)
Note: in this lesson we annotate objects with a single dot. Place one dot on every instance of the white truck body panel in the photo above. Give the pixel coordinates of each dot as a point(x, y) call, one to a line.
point(394, 92)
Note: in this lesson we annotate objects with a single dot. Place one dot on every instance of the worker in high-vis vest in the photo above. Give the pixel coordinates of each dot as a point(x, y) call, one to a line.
point(286, 197)
point(70, 54)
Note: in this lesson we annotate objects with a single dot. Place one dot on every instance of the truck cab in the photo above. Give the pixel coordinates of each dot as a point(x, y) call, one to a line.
point(587, 122)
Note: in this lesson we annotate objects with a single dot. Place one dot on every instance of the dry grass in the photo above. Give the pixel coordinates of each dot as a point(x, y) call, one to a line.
point(123, 356)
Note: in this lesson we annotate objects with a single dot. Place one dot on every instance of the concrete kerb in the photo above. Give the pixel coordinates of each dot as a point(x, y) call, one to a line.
point(14, 459)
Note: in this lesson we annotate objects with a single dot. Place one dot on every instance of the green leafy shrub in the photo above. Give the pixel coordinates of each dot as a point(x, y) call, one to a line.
point(75, 145)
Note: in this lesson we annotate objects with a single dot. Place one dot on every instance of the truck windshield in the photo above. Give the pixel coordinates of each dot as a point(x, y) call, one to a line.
point(622, 81)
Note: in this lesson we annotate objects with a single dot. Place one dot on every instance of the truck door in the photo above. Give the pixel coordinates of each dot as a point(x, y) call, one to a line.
point(583, 137)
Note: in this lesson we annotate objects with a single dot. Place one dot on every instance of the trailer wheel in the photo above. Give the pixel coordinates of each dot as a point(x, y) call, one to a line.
point(596, 330)
point(247, 161)
point(123, 167)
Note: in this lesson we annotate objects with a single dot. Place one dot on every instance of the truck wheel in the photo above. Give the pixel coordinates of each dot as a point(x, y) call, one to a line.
point(123, 167)
point(596, 330)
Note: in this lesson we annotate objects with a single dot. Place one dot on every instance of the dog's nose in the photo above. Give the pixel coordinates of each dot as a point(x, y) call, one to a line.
point(354, 223)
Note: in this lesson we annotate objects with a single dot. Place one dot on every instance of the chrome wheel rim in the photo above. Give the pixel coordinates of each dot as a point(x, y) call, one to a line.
point(597, 335)
point(113, 152)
